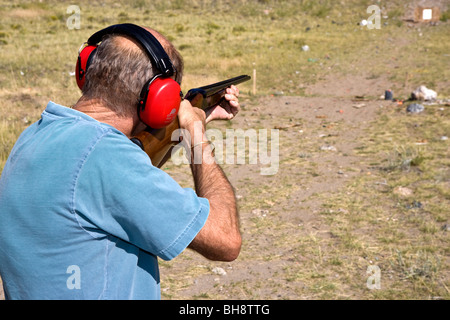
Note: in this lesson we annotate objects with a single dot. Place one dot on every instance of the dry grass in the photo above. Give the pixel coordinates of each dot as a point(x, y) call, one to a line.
point(309, 232)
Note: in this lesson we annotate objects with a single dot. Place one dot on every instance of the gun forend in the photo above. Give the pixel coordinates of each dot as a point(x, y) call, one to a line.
point(210, 95)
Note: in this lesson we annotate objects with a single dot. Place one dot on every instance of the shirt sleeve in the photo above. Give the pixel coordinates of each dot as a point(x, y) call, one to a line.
point(120, 192)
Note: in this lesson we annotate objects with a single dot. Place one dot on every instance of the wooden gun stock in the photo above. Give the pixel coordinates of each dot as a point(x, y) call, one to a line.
point(158, 144)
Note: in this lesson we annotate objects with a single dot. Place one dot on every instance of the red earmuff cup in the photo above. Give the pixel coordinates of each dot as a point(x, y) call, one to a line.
point(163, 103)
point(81, 66)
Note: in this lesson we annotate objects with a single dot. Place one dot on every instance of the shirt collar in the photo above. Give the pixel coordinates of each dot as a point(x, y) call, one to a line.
point(62, 111)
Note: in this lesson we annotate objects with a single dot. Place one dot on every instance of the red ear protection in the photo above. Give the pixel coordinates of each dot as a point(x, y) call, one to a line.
point(159, 103)
point(84, 59)
point(161, 96)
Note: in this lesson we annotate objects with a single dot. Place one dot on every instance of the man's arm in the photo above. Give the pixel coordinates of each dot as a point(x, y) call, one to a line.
point(220, 238)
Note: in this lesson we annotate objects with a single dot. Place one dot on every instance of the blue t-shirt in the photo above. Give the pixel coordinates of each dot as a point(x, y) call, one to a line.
point(84, 214)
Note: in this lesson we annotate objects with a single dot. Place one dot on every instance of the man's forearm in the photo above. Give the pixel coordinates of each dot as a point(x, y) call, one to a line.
point(211, 183)
point(220, 238)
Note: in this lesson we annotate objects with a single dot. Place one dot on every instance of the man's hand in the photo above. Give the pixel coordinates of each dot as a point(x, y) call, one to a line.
point(228, 109)
point(188, 115)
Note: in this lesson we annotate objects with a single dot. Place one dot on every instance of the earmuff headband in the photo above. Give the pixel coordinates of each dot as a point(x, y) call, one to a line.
point(150, 44)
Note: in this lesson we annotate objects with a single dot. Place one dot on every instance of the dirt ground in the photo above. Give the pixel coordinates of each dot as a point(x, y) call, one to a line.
point(323, 131)
point(318, 136)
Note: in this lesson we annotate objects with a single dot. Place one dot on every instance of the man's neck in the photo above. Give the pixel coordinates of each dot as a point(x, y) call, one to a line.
point(97, 110)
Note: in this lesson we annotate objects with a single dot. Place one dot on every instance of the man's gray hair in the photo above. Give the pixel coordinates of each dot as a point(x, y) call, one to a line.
point(118, 72)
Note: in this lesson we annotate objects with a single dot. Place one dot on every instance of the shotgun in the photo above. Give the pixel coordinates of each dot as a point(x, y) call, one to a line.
point(158, 144)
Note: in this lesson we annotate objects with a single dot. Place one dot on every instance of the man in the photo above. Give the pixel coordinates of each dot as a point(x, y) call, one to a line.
point(84, 214)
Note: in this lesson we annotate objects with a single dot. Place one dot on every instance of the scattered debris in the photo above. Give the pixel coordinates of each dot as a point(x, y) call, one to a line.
point(388, 95)
point(261, 213)
point(278, 93)
point(328, 148)
point(415, 108)
point(424, 94)
point(364, 23)
point(422, 142)
point(305, 48)
point(446, 227)
point(359, 106)
point(443, 138)
point(437, 102)
point(219, 271)
point(403, 191)
point(414, 205)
